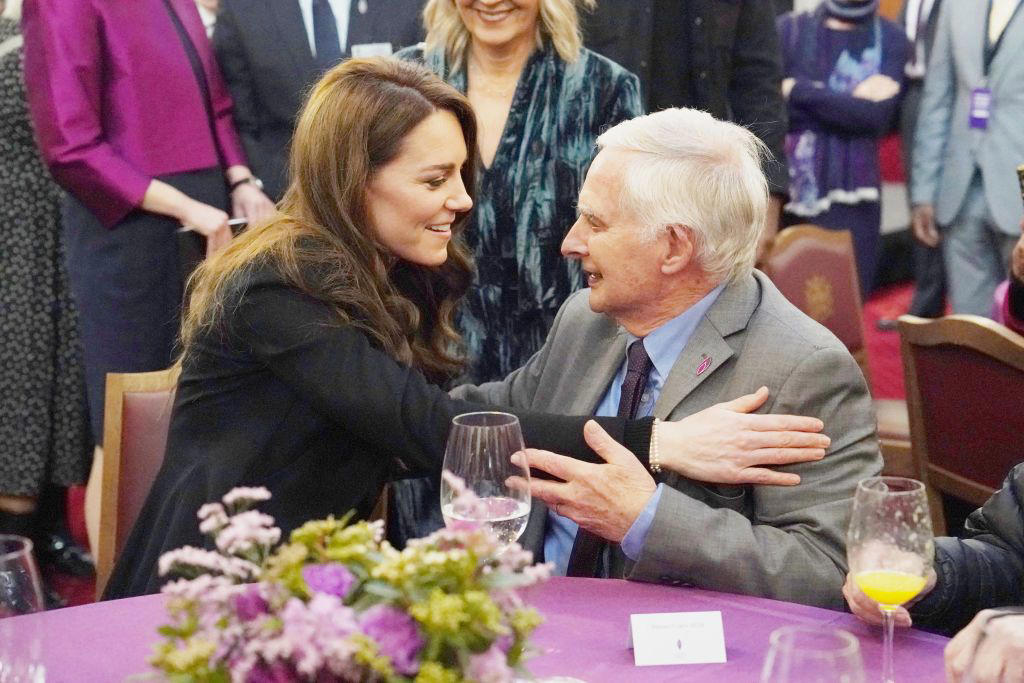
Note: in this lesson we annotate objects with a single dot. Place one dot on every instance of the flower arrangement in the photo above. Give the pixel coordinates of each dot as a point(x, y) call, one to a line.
point(336, 602)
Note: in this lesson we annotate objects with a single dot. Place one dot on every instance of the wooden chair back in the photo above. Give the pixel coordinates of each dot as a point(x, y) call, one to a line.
point(816, 269)
point(964, 377)
point(136, 420)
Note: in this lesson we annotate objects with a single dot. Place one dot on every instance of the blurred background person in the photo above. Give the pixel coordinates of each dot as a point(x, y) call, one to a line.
point(919, 19)
point(968, 143)
point(141, 155)
point(722, 57)
point(844, 69)
point(272, 51)
point(541, 100)
point(44, 435)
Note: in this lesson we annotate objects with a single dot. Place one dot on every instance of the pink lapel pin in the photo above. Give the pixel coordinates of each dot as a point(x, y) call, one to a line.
point(704, 364)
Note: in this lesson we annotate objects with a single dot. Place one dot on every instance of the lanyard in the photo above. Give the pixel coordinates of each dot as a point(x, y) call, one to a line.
point(989, 49)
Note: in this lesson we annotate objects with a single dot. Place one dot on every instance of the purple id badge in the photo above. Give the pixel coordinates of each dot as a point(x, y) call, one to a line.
point(981, 108)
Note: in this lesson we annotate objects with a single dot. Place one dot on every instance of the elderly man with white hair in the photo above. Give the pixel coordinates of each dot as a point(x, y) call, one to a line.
point(675, 320)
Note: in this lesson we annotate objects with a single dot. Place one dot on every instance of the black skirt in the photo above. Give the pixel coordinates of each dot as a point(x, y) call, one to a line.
point(128, 282)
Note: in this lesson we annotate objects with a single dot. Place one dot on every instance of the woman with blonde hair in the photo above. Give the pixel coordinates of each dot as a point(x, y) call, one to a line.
point(314, 342)
point(541, 100)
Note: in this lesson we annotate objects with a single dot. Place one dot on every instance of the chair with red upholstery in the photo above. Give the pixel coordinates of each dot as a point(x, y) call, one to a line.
point(136, 421)
point(816, 269)
point(965, 380)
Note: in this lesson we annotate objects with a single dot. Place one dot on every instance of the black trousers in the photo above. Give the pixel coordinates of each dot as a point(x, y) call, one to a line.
point(128, 282)
point(929, 270)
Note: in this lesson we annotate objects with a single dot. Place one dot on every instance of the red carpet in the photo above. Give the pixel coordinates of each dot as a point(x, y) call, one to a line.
point(884, 363)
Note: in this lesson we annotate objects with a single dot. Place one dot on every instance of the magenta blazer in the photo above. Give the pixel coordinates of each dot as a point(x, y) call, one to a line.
point(114, 99)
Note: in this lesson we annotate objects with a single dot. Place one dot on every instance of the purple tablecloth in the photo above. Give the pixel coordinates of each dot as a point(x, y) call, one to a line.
point(585, 635)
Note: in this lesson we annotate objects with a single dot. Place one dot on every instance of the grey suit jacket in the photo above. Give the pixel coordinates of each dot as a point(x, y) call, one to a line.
point(779, 542)
point(946, 151)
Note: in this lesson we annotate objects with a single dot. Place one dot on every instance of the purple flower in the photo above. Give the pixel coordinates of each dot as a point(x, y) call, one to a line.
point(396, 635)
point(489, 667)
point(331, 578)
point(278, 672)
point(249, 604)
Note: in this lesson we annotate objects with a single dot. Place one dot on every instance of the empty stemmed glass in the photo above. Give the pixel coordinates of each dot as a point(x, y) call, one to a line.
point(812, 654)
point(890, 548)
point(20, 589)
point(479, 451)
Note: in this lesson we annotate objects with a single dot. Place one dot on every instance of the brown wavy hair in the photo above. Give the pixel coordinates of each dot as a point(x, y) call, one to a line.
point(321, 242)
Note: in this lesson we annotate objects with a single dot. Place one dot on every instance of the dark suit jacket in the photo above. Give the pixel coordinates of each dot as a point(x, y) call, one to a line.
point(263, 50)
point(735, 66)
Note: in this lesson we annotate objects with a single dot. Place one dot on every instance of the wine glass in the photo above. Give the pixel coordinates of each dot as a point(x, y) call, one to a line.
point(479, 451)
point(890, 547)
point(20, 589)
point(812, 654)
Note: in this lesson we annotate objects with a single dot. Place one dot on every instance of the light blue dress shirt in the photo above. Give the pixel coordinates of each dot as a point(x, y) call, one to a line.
point(663, 346)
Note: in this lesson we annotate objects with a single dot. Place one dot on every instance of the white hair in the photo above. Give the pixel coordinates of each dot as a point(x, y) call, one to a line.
point(12, 9)
point(687, 168)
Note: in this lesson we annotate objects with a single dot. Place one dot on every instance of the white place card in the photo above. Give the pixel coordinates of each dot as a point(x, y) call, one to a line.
point(677, 638)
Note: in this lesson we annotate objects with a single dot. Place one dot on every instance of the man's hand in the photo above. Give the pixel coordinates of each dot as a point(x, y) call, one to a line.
point(724, 444)
point(923, 223)
point(999, 655)
point(868, 610)
point(603, 498)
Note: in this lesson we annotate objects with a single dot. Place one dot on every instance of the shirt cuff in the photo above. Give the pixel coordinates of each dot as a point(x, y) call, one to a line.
point(633, 541)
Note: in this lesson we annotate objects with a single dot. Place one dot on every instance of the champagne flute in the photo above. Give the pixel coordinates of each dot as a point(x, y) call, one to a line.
point(479, 451)
point(20, 589)
point(890, 548)
point(811, 654)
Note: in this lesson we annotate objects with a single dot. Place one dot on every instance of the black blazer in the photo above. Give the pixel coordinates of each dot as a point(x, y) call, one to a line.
point(263, 50)
point(284, 395)
point(735, 65)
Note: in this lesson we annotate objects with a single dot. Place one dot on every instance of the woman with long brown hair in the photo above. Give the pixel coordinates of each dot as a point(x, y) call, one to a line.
point(313, 343)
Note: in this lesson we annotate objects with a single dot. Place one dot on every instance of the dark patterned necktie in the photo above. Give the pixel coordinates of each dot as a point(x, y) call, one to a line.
point(325, 35)
point(586, 552)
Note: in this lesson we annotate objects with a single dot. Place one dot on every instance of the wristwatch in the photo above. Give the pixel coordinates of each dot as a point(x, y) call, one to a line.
point(248, 179)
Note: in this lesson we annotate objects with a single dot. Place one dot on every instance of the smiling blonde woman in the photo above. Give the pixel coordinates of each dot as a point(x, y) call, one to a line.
point(541, 99)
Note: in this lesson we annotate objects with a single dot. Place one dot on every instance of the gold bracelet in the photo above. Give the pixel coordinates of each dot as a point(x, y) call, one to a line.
point(653, 457)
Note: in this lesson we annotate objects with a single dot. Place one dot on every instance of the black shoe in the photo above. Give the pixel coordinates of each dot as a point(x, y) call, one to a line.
point(61, 554)
point(887, 324)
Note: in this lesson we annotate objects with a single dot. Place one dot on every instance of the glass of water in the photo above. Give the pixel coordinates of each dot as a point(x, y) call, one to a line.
point(479, 451)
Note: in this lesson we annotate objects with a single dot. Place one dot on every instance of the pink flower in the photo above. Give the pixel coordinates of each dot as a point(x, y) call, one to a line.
point(249, 604)
point(489, 667)
point(396, 635)
point(332, 578)
point(245, 495)
point(277, 672)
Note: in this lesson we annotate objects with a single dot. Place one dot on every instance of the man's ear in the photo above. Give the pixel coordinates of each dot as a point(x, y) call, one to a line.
point(680, 249)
